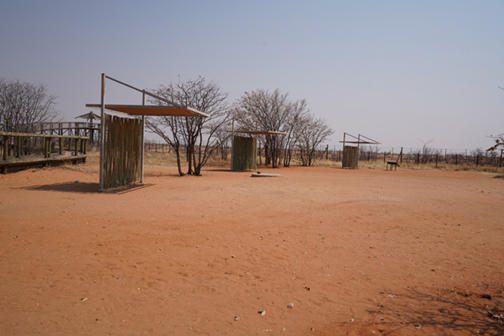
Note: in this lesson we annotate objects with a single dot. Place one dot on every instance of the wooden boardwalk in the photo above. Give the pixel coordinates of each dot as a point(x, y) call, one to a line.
point(27, 150)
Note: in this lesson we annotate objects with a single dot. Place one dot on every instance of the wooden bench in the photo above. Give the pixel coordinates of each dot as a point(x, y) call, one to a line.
point(395, 163)
point(391, 164)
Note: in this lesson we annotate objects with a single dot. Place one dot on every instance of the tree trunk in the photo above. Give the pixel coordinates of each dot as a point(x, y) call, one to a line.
point(177, 152)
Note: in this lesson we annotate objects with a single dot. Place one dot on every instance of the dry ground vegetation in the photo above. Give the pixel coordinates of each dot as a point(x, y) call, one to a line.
point(155, 158)
point(318, 251)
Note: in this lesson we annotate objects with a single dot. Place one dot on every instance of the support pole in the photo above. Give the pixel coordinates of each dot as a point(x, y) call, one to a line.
point(232, 144)
point(255, 156)
point(500, 160)
point(342, 159)
point(18, 146)
point(358, 148)
point(6, 147)
point(102, 140)
point(60, 141)
point(143, 140)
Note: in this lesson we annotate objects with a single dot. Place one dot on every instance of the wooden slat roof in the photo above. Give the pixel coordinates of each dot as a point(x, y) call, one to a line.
point(260, 132)
point(152, 110)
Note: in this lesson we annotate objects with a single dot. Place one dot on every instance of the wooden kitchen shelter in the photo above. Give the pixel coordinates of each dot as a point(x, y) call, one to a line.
point(244, 149)
point(122, 140)
point(351, 151)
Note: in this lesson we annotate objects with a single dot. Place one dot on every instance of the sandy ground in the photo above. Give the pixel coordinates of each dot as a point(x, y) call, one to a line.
point(319, 251)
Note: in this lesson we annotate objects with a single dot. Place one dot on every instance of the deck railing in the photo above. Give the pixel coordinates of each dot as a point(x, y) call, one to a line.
point(27, 149)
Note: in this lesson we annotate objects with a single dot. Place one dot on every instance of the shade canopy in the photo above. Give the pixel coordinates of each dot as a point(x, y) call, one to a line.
point(152, 110)
point(89, 116)
point(261, 132)
point(361, 139)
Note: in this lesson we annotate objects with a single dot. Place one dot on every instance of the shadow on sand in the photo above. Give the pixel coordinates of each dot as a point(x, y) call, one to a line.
point(447, 312)
point(86, 187)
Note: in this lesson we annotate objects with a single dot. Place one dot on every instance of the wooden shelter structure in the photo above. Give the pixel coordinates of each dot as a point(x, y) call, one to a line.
point(351, 152)
point(122, 140)
point(89, 116)
point(244, 149)
point(91, 127)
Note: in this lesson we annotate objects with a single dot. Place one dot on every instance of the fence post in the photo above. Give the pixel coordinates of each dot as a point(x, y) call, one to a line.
point(436, 159)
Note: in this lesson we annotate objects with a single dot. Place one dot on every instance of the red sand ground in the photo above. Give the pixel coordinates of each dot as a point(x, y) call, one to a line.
point(356, 252)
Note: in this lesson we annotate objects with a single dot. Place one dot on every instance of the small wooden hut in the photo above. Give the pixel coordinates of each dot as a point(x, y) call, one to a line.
point(244, 149)
point(122, 143)
point(351, 151)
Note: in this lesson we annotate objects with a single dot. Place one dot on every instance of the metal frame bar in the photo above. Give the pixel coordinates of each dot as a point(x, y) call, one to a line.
point(146, 92)
point(369, 142)
point(102, 140)
point(143, 142)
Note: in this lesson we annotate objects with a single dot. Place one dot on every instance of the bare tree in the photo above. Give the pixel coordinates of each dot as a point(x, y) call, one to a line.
point(198, 135)
point(271, 111)
point(24, 104)
point(223, 135)
point(296, 122)
point(426, 151)
point(499, 142)
point(314, 132)
point(168, 129)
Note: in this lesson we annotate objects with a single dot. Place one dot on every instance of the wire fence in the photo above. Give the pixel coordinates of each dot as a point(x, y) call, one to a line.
point(413, 156)
point(426, 156)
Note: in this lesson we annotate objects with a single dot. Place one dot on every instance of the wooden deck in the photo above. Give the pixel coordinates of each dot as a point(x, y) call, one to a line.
point(49, 150)
point(11, 166)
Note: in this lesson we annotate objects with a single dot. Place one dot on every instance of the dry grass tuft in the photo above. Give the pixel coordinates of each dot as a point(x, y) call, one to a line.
point(153, 158)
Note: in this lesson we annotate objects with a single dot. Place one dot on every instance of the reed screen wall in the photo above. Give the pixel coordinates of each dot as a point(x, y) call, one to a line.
point(244, 153)
point(350, 157)
point(123, 151)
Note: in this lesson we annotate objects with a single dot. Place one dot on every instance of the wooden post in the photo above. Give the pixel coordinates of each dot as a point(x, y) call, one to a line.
point(142, 143)
point(5, 152)
point(18, 146)
point(6, 147)
point(60, 131)
point(85, 146)
point(102, 131)
point(436, 159)
point(400, 156)
point(500, 160)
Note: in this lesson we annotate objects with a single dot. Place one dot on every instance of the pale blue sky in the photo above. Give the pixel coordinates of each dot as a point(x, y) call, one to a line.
point(400, 72)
